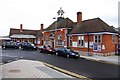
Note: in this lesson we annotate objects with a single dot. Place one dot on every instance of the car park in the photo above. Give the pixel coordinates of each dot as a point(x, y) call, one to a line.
point(9, 44)
point(66, 52)
point(28, 46)
point(47, 49)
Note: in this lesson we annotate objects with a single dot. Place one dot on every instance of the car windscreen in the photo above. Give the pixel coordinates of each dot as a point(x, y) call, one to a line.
point(68, 50)
point(8, 43)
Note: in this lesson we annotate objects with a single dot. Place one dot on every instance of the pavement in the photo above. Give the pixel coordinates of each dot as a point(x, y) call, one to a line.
point(113, 59)
point(29, 69)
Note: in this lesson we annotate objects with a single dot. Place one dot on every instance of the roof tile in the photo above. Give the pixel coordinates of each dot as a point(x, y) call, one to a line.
point(91, 25)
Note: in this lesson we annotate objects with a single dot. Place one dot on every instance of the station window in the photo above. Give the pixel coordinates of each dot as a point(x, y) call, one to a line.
point(80, 41)
point(70, 40)
point(59, 42)
point(114, 38)
point(97, 38)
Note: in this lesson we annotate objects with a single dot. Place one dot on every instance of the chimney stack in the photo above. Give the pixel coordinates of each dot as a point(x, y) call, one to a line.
point(79, 18)
point(21, 28)
point(41, 27)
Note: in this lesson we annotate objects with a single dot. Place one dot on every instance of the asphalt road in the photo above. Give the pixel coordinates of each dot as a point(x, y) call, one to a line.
point(91, 69)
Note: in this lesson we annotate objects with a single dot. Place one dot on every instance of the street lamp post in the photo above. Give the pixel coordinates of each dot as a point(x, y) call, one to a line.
point(55, 32)
point(88, 43)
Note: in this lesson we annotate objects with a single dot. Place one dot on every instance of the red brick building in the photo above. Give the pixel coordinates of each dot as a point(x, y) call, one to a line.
point(22, 35)
point(56, 34)
point(93, 35)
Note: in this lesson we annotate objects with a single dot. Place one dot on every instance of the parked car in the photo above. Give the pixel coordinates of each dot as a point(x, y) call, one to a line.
point(28, 46)
point(47, 49)
point(10, 44)
point(18, 44)
point(118, 50)
point(66, 52)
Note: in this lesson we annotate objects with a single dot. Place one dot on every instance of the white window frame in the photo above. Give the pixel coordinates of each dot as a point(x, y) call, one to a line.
point(81, 40)
point(38, 40)
point(113, 38)
point(99, 37)
point(70, 41)
point(59, 41)
point(46, 38)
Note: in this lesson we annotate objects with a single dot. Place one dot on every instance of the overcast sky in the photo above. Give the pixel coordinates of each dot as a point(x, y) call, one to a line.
point(31, 13)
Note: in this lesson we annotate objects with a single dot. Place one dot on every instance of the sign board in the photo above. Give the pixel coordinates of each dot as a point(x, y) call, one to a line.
point(86, 45)
point(74, 44)
point(95, 47)
point(103, 46)
point(99, 48)
point(91, 44)
point(62, 43)
point(38, 42)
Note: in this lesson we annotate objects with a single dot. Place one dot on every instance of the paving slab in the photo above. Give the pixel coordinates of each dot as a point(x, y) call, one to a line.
point(107, 59)
point(30, 69)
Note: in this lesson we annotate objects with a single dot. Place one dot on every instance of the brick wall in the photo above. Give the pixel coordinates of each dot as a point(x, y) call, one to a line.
point(109, 45)
point(61, 32)
point(106, 41)
point(41, 42)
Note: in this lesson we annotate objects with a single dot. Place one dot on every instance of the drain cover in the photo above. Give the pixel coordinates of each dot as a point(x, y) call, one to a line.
point(14, 71)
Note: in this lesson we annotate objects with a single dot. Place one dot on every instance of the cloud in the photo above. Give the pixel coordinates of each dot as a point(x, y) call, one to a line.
point(31, 13)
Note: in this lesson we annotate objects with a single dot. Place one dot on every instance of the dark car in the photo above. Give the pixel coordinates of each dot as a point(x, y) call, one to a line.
point(118, 50)
point(28, 46)
point(47, 49)
point(9, 45)
point(66, 52)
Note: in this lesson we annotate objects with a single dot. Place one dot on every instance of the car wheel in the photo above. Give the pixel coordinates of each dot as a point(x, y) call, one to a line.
point(40, 50)
point(68, 55)
point(56, 53)
point(47, 52)
point(3, 47)
point(22, 48)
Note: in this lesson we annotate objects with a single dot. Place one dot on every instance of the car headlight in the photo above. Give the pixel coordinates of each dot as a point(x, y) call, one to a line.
point(50, 50)
point(73, 53)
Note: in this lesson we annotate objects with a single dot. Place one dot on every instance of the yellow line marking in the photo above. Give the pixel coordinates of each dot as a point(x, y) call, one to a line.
point(67, 72)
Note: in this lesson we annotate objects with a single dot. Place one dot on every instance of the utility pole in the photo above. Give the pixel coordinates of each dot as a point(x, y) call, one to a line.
point(88, 43)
